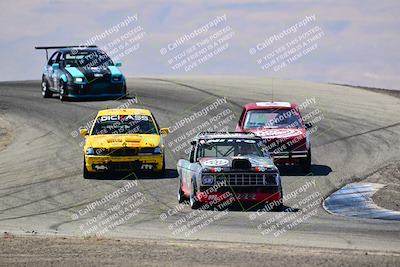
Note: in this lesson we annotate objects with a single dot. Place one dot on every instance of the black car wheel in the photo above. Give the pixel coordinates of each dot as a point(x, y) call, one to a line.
point(124, 91)
point(163, 170)
point(306, 163)
point(194, 202)
point(63, 92)
point(180, 194)
point(46, 93)
point(280, 206)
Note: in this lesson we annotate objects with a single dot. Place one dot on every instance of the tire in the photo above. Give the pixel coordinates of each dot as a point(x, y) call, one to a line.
point(280, 207)
point(306, 163)
point(62, 91)
point(163, 171)
point(180, 194)
point(87, 174)
point(194, 203)
point(124, 91)
point(46, 93)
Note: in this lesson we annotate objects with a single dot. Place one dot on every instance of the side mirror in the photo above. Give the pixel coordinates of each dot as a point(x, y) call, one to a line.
point(308, 125)
point(83, 132)
point(118, 64)
point(237, 128)
point(164, 130)
point(55, 66)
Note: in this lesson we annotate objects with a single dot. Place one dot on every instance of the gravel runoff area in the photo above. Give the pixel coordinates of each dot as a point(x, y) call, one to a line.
point(68, 251)
point(5, 133)
point(389, 196)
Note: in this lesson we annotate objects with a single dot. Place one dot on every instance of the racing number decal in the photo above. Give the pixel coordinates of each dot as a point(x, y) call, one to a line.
point(216, 162)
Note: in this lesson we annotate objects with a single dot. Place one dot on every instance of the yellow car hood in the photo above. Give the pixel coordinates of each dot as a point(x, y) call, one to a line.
point(122, 140)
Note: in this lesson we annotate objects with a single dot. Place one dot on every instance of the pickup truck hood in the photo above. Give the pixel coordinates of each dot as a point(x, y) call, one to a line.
point(123, 140)
point(226, 162)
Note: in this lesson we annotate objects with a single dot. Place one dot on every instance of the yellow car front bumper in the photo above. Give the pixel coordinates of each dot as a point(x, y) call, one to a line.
point(125, 163)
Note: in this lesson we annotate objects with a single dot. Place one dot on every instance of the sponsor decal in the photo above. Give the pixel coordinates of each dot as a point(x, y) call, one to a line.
point(279, 133)
point(123, 118)
point(273, 104)
point(222, 140)
point(216, 162)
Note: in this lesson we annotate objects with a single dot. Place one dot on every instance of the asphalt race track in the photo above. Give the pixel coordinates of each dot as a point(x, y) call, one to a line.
point(42, 188)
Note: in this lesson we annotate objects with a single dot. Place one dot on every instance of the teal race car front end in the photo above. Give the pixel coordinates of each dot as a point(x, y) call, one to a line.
point(94, 83)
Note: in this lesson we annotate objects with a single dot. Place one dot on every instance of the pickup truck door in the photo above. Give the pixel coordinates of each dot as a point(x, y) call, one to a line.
point(188, 169)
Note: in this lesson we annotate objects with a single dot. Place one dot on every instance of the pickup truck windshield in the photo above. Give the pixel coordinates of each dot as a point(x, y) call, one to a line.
point(230, 148)
point(124, 124)
point(272, 119)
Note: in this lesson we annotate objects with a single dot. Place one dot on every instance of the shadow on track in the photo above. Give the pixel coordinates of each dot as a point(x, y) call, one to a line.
point(316, 170)
point(92, 99)
point(169, 174)
point(250, 207)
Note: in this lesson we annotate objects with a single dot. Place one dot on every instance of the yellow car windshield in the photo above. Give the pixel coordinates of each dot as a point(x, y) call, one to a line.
point(124, 124)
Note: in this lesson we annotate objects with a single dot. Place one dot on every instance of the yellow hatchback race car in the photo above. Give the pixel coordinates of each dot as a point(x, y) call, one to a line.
point(123, 140)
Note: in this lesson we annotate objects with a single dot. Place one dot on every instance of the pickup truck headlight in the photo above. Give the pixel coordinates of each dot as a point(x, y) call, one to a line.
point(90, 151)
point(207, 180)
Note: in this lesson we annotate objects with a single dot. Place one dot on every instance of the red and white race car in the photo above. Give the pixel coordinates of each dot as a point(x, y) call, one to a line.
point(281, 126)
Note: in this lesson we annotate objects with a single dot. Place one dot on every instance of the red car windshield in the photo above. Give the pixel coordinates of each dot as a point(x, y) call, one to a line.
point(274, 118)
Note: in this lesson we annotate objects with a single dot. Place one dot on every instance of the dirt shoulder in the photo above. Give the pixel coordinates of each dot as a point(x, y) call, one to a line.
point(389, 196)
point(68, 251)
point(5, 133)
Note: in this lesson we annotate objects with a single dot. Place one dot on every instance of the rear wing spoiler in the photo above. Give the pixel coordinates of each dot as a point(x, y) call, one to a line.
point(62, 46)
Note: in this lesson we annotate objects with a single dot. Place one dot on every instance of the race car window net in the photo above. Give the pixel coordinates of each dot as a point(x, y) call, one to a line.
point(52, 59)
point(133, 125)
point(272, 119)
point(229, 149)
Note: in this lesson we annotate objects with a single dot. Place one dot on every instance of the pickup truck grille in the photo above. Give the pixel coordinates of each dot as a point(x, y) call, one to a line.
point(245, 179)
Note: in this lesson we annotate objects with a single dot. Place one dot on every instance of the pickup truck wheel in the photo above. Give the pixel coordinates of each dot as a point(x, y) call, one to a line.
point(194, 202)
point(180, 194)
point(280, 206)
point(306, 163)
point(87, 174)
point(46, 93)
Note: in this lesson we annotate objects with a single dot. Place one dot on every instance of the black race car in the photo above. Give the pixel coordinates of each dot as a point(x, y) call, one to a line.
point(81, 72)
